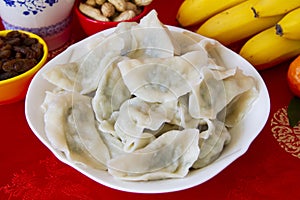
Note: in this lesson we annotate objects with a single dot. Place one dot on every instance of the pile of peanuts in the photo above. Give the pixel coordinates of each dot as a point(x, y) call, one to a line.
point(112, 10)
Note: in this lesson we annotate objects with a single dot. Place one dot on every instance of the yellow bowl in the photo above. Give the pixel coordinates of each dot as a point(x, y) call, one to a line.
point(15, 88)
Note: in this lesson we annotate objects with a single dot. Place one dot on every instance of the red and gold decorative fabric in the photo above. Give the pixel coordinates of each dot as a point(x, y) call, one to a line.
point(270, 169)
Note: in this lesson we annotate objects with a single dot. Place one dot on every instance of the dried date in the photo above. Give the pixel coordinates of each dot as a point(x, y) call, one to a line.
point(7, 75)
point(18, 54)
point(19, 65)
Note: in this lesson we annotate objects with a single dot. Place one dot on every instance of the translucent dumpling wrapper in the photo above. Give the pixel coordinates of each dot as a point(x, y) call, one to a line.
point(123, 30)
point(83, 75)
point(107, 126)
point(136, 116)
point(211, 143)
point(70, 127)
point(184, 41)
point(213, 93)
point(169, 156)
point(149, 38)
point(130, 39)
point(64, 76)
point(207, 98)
point(234, 112)
point(154, 38)
point(114, 145)
point(241, 91)
point(94, 66)
point(183, 118)
point(111, 92)
point(163, 79)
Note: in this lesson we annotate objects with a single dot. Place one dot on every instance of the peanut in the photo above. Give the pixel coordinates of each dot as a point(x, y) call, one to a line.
point(126, 15)
point(142, 2)
point(91, 2)
point(133, 7)
point(100, 2)
point(112, 10)
point(92, 12)
point(107, 9)
point(120, 5)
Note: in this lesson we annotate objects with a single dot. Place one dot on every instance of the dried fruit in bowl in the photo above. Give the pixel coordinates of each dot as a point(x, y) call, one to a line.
point(18, 54)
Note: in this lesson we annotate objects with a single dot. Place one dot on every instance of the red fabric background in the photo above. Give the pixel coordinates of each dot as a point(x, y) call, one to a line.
point(266, 171)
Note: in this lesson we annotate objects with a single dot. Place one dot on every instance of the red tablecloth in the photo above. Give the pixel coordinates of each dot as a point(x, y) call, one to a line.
point(270, 169)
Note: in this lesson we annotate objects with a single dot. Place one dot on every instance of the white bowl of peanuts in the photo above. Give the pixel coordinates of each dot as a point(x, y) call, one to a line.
point(98, 15)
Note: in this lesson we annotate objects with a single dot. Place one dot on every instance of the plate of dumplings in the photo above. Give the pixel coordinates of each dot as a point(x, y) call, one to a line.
point(147, 108)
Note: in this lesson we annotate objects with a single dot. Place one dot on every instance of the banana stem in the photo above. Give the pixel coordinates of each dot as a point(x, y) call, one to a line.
point(255, 12)
point(279, 30)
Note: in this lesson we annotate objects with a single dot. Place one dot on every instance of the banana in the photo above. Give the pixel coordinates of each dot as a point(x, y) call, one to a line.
point(267, 49)
point(193, 12)
point(288, 26)
point(267, 8)
point(235, 24)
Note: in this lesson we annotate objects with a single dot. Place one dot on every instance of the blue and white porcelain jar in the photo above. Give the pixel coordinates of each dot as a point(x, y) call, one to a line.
point(50, 19)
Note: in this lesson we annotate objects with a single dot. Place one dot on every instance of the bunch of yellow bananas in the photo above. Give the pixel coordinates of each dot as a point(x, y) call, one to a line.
point(271, 28)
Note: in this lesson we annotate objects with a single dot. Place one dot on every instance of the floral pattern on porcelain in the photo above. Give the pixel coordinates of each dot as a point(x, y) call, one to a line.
point(31, 6)
point(46, 31)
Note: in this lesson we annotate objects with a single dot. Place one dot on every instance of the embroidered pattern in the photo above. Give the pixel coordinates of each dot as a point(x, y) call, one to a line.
point(31, 6)
point(50, 179)
point(287, 137)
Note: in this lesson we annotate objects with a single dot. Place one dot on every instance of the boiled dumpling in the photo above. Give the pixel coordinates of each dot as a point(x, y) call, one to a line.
point(169, 156)
point(124, 31)
point(93, 67)
point(70, 128)
point(212, 142)
point(207, 98)
point(64, 76)
point(184, 41)
point(154, 38)
point(183, 118)
point(111, 92)
point(114, 144)
point(213, 93)
point(135, 116)
point(234, 112)
point(83, 75)
point(241, 91)
point(162, 79)
point(149, 38)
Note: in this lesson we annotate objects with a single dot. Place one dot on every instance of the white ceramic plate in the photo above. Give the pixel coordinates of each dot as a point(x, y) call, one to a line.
point(242, 135)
